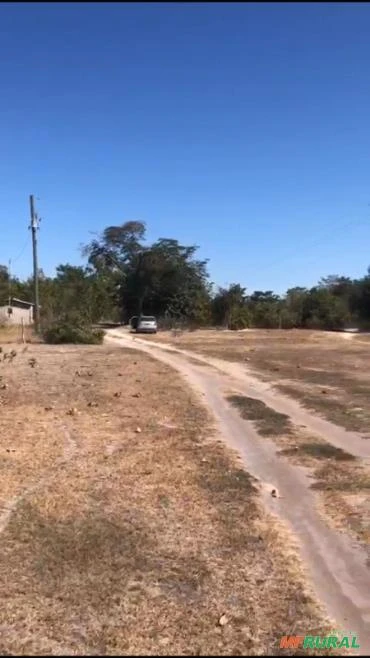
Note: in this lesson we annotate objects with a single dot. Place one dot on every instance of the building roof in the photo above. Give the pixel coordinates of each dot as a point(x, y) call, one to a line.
point(22, 301)
point(15, 301)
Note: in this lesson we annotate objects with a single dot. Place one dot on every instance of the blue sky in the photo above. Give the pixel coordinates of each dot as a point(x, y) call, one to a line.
point(243, 128)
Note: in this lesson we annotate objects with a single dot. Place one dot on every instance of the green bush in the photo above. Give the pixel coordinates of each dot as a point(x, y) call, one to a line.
point(239, 318)
point(65, 332)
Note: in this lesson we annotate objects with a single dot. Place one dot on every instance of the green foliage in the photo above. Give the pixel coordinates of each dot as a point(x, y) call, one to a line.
point(163, 279)
point(9, 286)
point(324, 310)
point(239, 318)
point(229, 307)
point(265, 309)
point(126, 276)
point(65, 332)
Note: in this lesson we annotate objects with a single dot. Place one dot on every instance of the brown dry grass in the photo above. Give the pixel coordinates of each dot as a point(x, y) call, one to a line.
point(323, 370)
point(343, 482)
point(13, 334)
point(124, 542)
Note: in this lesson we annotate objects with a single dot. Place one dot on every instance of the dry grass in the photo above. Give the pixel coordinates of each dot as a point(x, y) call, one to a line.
point(125, 542)
point(337, 474)
point(268, 421)
point(13, 334)
point(345, 498)
point(323, 370)
point(318, 450)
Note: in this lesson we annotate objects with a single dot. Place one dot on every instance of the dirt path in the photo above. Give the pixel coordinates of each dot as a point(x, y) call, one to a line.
point(337, 566)
point(246, 383)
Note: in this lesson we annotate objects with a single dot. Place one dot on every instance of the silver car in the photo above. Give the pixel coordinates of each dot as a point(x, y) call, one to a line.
point(146, 324)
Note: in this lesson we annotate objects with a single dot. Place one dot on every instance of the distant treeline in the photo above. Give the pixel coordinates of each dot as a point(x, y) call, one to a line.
point(125, 276)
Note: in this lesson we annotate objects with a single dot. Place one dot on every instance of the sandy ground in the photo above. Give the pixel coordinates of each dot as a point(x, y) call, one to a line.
point(312, 377)
point(327, 372)
point(338, 565)
point(126, 528)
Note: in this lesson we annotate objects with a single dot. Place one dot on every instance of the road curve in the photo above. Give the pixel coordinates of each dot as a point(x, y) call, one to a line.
point(338, 566)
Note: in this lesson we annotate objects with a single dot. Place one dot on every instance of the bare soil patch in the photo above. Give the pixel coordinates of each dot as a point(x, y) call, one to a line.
point(126, 529)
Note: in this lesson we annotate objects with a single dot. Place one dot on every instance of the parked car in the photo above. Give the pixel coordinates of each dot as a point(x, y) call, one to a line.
point(145, 324)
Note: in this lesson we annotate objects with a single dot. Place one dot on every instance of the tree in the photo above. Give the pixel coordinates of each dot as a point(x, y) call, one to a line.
point(292, 309)
point(4, 284)
point(117, 247)
point(11, 287)
point(359, 301)
point(323, 310)
point(163, 278)
point(265, 308)
point(229, 307)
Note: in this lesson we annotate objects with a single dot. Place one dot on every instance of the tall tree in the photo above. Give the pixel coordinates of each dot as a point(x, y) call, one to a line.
point(293, 305)
point(229, 307)
point(265, 308)
point(164, 278)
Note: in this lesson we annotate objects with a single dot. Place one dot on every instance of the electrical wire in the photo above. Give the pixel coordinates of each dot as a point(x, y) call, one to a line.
point(20, 254)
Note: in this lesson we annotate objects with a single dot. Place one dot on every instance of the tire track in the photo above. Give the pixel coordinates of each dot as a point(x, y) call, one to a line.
point(338, 567)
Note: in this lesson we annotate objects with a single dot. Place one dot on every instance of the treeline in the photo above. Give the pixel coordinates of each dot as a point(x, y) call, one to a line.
point(125, 276)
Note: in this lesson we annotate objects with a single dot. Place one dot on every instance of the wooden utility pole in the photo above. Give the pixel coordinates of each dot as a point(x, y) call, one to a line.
point(9, 284)
point(34, 228)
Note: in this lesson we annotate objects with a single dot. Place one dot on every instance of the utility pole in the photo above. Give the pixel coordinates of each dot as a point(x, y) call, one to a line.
point(9, 284)
point(34, 228)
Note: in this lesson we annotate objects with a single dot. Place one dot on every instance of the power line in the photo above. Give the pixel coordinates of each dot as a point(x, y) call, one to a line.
point(10, 263)
point(20, 254)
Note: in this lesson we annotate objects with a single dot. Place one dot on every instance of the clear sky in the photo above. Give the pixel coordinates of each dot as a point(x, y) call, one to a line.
point(244, 128)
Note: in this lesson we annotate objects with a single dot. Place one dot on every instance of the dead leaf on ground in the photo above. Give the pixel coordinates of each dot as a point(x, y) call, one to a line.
point(223, 620)
point(72, 411)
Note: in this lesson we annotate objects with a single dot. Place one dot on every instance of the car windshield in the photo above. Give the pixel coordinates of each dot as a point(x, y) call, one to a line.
point(147, 318)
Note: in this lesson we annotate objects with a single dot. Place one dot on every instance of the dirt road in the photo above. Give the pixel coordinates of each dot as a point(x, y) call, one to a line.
point(337, 566)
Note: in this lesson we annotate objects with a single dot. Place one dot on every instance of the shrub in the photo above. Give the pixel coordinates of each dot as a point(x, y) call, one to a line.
point(65, 332)
point(239, 318)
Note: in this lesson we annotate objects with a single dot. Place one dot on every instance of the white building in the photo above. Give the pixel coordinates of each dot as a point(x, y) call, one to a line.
point(17, 312)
